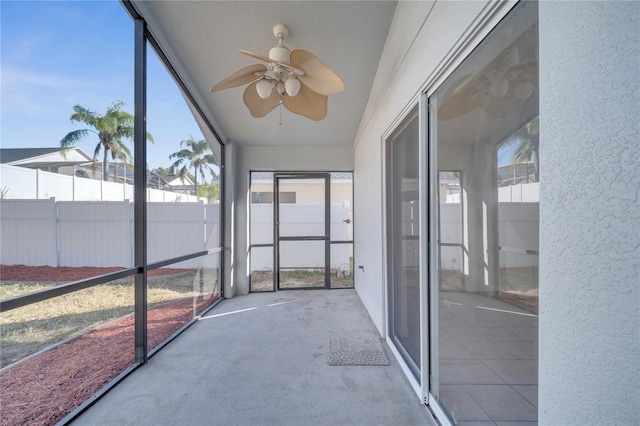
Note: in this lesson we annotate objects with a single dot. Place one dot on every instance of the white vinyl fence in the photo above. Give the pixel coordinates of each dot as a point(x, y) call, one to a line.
point(100, 233)
point(28, 232)
point(20, 183)
point(518, 228)
point(301, 220)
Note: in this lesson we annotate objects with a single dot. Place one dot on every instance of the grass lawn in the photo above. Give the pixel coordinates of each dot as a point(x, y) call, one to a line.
point(263, 280)
point(29, 329)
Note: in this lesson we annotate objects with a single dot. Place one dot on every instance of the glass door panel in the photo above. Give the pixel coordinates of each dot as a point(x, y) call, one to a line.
point(404, 243)
point(484, 351)
point(451, 250)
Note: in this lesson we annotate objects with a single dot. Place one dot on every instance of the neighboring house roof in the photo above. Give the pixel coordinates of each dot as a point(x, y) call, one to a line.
point(9, 155)
point(176, 180)
point(43, 157)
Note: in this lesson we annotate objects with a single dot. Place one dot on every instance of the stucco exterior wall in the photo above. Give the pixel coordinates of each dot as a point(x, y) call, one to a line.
point(589, 369)
point(589, 330)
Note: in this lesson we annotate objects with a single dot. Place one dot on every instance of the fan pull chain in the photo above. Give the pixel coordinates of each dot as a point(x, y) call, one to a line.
point(280, 122)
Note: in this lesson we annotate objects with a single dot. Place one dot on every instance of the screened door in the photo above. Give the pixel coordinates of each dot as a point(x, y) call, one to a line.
point(302, 231)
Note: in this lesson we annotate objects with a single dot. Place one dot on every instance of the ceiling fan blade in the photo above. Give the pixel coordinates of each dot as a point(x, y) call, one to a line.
point(317, 76)
point(307, 103)
point(259, 107)
point(255, 56)
point(459, 99)
point(240, 77)
point(494, 87)
point(265, 59)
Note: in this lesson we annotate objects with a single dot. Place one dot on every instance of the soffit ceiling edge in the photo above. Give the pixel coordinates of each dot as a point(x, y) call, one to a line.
point(183, 75)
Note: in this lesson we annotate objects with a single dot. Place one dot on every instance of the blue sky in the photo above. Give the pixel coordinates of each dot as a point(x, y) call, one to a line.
point(58, 54)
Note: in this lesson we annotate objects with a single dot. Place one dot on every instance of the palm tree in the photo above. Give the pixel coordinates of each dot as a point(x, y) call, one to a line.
point(526, 143)
point(111, 128)
point(193, 155)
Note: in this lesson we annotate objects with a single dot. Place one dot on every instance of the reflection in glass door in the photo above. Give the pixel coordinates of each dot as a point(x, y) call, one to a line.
point(484, 318)
point(302, 231)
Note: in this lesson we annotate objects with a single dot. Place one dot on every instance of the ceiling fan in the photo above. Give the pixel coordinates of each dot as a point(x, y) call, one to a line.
point(509, 81)
point(296, 79)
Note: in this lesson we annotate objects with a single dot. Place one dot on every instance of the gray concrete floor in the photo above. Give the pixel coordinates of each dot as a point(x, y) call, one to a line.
point(261, 359)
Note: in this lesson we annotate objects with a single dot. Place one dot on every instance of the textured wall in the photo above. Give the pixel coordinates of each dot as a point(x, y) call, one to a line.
point(590, 215)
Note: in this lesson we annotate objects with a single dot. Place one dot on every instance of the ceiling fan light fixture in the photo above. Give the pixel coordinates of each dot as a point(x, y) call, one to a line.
point(292, 86)
point(264, 88)
point(500, 87)
point(279, 74)
point(524, 89)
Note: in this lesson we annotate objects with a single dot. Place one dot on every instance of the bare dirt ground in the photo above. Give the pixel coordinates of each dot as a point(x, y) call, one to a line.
point(44, 388)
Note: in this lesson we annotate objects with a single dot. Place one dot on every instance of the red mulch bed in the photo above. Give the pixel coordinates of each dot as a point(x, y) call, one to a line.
point(521, 300)
point(43, 389)
point(65, 273)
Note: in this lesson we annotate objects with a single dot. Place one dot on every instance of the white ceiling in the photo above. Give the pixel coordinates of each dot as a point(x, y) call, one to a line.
point(202, 38)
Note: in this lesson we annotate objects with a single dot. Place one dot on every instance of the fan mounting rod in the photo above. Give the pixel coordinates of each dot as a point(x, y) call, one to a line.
point(280, 53)
point(280, 32)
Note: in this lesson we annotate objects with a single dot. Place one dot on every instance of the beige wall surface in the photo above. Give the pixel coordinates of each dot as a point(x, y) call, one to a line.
point(310, 193)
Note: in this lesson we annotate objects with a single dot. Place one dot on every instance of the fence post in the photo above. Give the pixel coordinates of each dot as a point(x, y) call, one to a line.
point(56, 231)
point(37, 184)
point(131, 232)
point(204, 224)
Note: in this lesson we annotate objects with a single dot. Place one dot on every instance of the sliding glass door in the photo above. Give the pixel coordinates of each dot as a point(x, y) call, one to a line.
point(403, 239)
point(484, 294)
point(462, 191)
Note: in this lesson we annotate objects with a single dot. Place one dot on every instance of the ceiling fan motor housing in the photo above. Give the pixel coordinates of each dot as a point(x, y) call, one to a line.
point(280, 54)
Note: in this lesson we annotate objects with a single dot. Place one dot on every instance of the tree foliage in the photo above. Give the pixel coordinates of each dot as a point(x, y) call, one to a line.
point(112, 128)
point(169, 171)
point(209, 191)
point(193, 155)
point(526, 146)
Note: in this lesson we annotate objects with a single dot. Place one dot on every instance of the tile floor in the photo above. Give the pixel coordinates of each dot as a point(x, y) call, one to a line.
point(488, 361)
